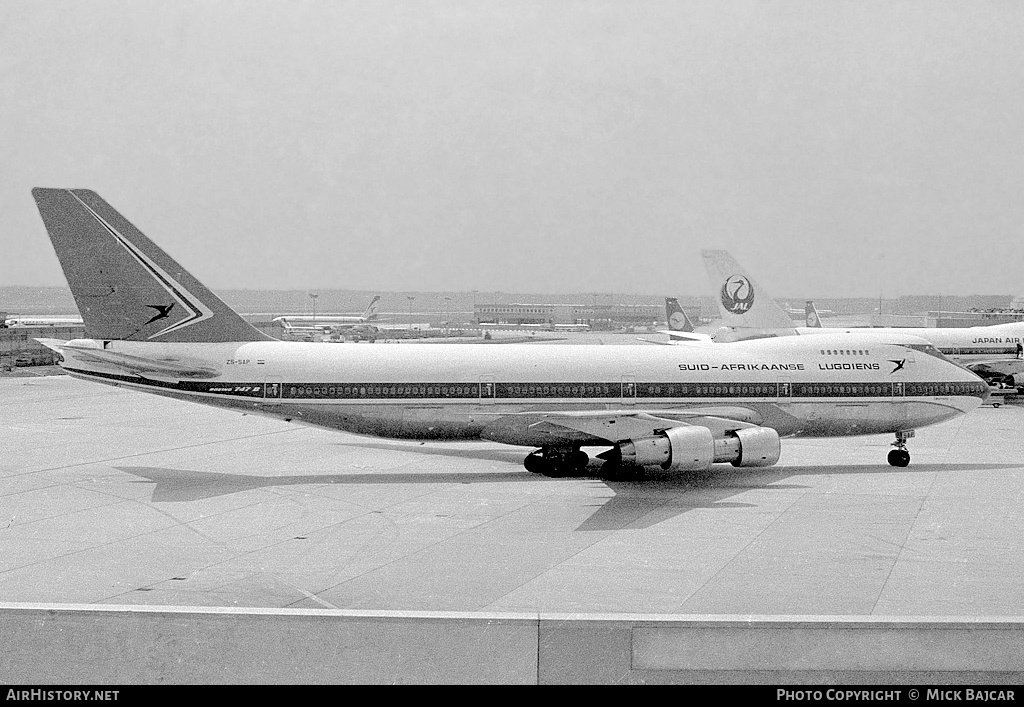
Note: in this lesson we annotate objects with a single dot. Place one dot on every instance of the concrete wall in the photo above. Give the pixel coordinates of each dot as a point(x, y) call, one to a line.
point(97, 644)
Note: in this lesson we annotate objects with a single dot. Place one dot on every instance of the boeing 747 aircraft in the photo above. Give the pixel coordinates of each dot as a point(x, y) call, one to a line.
point(749, 312)
point(746, 310)
point(152, 326)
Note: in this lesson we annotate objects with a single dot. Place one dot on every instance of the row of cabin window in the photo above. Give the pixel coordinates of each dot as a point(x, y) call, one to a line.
point(945, 388)
point(384, 391)
point(630, 389)
point(845, 352)
point(614, 390)
point(458, 391)
point(530, 391)
point(816, 391)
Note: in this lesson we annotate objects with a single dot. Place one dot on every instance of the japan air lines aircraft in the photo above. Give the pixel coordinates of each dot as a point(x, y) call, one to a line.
point(153, 327)
point(749, 312)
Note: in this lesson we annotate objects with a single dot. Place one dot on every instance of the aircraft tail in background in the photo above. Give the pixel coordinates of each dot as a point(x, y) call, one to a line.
point(742, 302)
point(675, 316)
point(125, 286)
point(811, 318)
point(371, 309)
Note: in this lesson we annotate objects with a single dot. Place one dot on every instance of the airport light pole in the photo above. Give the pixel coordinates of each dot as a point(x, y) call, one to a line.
point(447, 315)
point(410, 298)
point(312, 297)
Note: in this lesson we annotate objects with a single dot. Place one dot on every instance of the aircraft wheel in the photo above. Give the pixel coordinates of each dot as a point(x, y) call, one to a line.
point(899, 457)
point(536, 464)
point(556, 463)
point(613, 471)
point(579, 459)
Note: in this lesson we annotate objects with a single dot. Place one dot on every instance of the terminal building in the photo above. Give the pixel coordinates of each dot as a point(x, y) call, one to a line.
point(595, 316)
point(944, 319)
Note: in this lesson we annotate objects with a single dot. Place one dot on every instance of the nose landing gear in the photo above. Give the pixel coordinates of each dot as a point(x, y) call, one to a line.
point(552, 461)
point(900, 457)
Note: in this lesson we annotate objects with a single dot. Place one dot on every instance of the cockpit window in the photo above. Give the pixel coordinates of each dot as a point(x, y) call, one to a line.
point(927, 349)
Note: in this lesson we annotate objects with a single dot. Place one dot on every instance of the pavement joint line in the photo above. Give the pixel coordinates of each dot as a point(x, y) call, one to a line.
point(903, 546)
point(473, 528)
point(176, 522)
point(240, 554)
point(743, 549)
point(263, 548)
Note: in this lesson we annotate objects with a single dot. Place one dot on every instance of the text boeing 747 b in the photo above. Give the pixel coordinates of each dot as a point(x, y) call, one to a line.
point(152, 326)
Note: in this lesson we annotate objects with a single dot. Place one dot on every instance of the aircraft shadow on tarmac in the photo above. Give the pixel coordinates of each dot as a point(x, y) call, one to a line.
point(648, 501)
point(510, 455)
point(183, 485)
point(636, 503)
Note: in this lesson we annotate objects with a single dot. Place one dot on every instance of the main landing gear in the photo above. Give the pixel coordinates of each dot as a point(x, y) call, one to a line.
point(900, 456)
point(553, 461)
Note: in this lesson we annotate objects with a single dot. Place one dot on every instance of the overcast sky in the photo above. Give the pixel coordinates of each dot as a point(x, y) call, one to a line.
point(836, 148)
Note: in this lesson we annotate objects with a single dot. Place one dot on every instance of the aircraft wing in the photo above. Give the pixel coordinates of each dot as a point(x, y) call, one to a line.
point(679, 337)
point(169, 368)
point(997, 372)
point(618, 425)
point(686, 336)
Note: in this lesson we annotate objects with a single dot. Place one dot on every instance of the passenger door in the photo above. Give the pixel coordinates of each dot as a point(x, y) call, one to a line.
point(785, 390)
point(628, 390)
point(272, 389)
point(488, 389)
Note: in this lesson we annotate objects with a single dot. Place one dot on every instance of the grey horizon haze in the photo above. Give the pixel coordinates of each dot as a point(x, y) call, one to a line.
point(836, 149)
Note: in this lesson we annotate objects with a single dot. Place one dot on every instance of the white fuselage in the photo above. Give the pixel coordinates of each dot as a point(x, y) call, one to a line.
point(841, 385)
point(962, 343)
point(43, 321)
point(325, 320)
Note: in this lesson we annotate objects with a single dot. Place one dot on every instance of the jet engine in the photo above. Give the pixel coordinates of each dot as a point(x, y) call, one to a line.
point(695, 448)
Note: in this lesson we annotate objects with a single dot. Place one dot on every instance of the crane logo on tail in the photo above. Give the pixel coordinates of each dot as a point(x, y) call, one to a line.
point(737, 295)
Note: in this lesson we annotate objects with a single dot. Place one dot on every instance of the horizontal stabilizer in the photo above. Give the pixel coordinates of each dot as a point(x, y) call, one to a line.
point(170, 369)
point(679, 337)
point(687, 336)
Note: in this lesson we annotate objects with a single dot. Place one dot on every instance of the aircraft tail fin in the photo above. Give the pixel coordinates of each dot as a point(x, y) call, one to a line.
point(742, 302)
point(125, 286)
point(675, 316)
point(811, 317)
point(371, 309)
